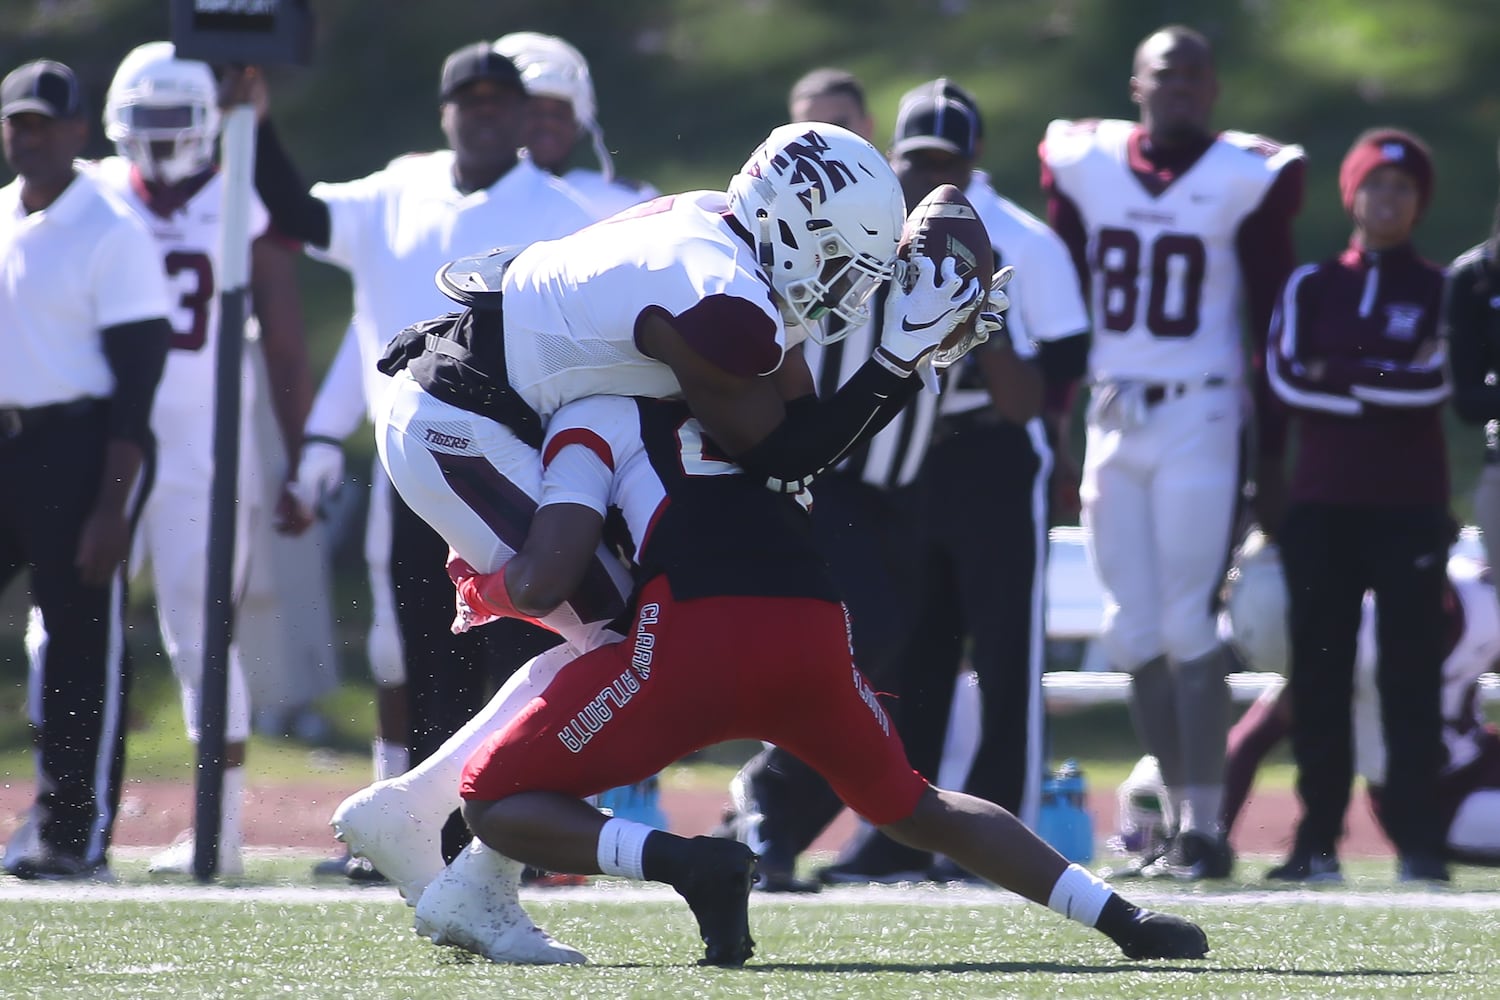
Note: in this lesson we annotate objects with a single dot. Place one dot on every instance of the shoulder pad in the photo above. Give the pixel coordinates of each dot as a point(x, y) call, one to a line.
point(475, 281)
point(1276, 154)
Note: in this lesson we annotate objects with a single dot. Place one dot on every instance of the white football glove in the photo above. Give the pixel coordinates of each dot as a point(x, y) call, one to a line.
point(320, 472)
point(919, 314)
point(990, 323)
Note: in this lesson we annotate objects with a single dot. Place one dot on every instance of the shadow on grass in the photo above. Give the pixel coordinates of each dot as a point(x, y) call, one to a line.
point(1065, 968)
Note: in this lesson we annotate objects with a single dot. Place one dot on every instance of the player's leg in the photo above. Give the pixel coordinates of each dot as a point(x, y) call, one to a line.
point(85, 678)
point(844, 732)
point(1409, 556)
point(1195, 503)
point(1264, 724)
point(173, 538)
point(1325, 586)
point(1116, 510)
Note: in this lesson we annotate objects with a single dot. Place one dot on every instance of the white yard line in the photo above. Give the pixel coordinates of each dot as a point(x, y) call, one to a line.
point(13, 890)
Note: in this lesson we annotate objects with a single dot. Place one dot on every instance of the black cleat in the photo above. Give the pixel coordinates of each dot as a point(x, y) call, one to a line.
point(784, 880)
point(1192, 857)
point(1308, 867)
point(1423, 868)
point(1148, 934)
point(717, 890)
point(55, 866)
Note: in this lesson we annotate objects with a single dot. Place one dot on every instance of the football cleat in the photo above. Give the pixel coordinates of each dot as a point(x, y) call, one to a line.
point(385, 825)
point(482, 915)
point(52, 866)
point(717, 890)
point(178, 859)
point(1192, 857)
point(1307, 867)
point(1423, 868)
point(1149, 934)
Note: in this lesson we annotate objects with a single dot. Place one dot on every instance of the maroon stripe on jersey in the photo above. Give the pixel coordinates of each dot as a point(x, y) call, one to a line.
point(578, 435)
point(507, 510)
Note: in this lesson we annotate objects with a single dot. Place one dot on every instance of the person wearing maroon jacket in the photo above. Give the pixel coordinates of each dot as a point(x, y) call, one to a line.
point(1355, 355)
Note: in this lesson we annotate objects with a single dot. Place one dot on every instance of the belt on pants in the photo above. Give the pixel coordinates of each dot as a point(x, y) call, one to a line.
point(1160, 392)
point(17, 420)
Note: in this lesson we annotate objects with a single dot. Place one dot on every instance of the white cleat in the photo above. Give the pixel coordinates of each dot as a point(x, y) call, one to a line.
point(484, 917)
point(384, 824)
point(178, 859)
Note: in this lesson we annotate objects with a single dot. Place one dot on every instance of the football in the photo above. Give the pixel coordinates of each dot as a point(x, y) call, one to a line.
point(944, 224)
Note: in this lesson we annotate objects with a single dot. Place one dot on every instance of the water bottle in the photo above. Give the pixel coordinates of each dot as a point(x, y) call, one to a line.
point(640, 802)
point(1064, 821)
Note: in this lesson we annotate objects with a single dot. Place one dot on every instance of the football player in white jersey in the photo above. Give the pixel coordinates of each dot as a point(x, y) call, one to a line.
point(1175, 230)
point(700, 295)
point(561, 113)
point(1469, 786)
point(162, 114)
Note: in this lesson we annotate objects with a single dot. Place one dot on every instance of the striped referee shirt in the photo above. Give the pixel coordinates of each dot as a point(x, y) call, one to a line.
point(894, 456)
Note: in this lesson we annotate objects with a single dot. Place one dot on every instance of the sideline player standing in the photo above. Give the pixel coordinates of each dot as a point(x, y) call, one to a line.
point(1173, 228)
point(162, 114)
point(83, 306)
point(391, 231)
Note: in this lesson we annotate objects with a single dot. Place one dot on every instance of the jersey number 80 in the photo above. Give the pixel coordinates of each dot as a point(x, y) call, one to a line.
point(1174, 292)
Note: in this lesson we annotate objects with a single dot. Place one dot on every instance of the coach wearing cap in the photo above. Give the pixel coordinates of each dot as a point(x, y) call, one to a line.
point(83, 306)
point(391, 231)
point(1356, 355)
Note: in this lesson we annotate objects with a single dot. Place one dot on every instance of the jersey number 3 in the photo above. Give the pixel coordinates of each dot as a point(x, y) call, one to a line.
point(1174, 292)
point(196, 300)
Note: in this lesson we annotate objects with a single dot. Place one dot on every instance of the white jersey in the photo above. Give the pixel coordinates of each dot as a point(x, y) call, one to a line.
point(82, 264)
point(1475, 652)
point(393, 229)
point(607, 196)
point(1166, 289)
point(572, 306)
point(188, 236)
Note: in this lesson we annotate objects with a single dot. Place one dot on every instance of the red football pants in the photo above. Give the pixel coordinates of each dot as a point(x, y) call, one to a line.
point(696, 673)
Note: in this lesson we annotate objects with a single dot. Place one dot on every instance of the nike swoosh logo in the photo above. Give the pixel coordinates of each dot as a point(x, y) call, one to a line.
point(906, 325)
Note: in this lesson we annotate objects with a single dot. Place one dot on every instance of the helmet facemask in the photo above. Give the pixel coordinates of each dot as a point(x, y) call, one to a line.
point(168, 143)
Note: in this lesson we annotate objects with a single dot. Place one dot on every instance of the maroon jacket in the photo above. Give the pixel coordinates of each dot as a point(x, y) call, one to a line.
point(1370, 426)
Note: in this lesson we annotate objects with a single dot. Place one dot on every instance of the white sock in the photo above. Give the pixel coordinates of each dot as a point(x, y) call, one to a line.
point(1080, 895)
point(232, 805)
point(621, 844)
point(1173, 804)
point(391, 759)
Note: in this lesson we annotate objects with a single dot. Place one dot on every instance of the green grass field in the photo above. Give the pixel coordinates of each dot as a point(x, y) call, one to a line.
point(269, 935)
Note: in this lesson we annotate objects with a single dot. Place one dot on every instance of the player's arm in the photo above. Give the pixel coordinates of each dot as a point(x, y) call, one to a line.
point(1465, 322)
point(283, 338)
point(1013, 379)
point(318, 469)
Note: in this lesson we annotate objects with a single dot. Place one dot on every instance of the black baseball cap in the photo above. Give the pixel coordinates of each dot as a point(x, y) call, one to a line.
point(478, 61)
point(938, 115)
point(43, 87)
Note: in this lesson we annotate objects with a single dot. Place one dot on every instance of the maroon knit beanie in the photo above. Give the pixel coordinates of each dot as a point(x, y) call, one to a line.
point(1381, 146)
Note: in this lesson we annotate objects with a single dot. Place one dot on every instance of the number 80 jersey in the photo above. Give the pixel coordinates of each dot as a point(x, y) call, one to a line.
point(1166, 291)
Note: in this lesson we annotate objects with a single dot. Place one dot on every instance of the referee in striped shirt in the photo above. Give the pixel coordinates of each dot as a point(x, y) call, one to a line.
point(979, 505)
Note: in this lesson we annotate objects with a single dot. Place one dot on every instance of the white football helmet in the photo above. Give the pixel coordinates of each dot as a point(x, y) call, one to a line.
point(550, 67)
point(162, 113)
point(1256, 600)
point(826, 212)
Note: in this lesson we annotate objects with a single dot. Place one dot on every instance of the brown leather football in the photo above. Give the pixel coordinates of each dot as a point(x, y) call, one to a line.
point(944, 224)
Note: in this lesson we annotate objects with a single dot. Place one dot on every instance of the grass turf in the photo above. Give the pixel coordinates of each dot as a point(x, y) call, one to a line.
point(1371, 940)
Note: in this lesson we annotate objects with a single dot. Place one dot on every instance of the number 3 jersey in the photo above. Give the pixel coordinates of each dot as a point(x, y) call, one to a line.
point(1163, 255)
point(692, 514)
point(187, 230)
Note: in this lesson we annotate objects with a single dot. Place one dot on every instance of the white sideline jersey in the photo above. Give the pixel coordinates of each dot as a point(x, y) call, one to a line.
point(393, 229)
point(1475, 653)
point(1166, 292)
point(188, 241)
point(80, 265)
point(572, 306)
point(608, 195)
